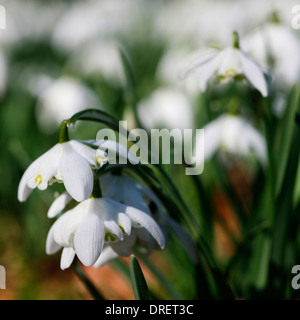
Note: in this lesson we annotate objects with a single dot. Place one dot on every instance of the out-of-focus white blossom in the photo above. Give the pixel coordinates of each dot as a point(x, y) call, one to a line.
point(277, 48)
point(229, 64)
point(90, 20)
point(235, 135)
point(31, 20)
point(100, 58)
point(60, 100)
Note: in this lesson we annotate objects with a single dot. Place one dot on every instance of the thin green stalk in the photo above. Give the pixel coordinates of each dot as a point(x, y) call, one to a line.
point(63, 132)
point(87, 282)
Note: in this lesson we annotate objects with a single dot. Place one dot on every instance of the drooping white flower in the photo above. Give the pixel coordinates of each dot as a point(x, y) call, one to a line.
point(101, 59)
point(276, 47)
point(96, 222)
point(70, 162)
point(229, 64)
point(123, 248)
point(233, 134)
point(123, 188)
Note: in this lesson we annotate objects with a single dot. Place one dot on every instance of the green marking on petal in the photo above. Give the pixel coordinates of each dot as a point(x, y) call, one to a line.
point(109, 237)
point(38, 179)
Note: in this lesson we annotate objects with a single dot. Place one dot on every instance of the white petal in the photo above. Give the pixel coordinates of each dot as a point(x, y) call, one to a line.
point(198, 63)
point(84, 151)
point(257, 143)
point(47, 169)
point(208, 70)
point(89, 239)
point(125, 222)
point(23, 190)
point(212, 137)
point(114, 228)
point(127, 191)
point(33, 170)
point(77, 174)
point(254, 74)
point(65, 226)
point(59, 204)
point(51, 245)
point(67, 257)
point(148, 223)
point(113, 148)
point(107, 255)
point(132, 195)
point(230, 62)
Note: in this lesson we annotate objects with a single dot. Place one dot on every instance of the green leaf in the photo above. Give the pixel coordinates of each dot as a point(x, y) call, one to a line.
point(130, 84)
point(87, 282)
point(284, 139)
point(139, 285)
point(95, 115)
point(285, 199)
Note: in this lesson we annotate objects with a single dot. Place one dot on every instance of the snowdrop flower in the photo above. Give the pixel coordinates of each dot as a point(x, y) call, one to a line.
point(90, 20)
point(61, 99)
point(100, 58)
point(233, 134)
point(85, 229)
point(124, 189)
point(69, 162)
point(275, 46)
point(231, 63)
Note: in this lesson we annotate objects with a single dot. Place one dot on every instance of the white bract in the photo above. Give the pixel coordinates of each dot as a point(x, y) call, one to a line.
point(233, 134)
point(71, 163)
point(85, 229)
point(228, 64)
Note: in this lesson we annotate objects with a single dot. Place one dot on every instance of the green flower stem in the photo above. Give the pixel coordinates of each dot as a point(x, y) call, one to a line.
point(89, 285)
point(97, 193)
point(63, 132)
point(274, 18)
point(131, 86)
point(236, 40)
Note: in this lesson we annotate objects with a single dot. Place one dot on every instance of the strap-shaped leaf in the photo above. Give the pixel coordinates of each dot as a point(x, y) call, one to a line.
point(95, 115)
point(139, 285)
point(284, 141)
